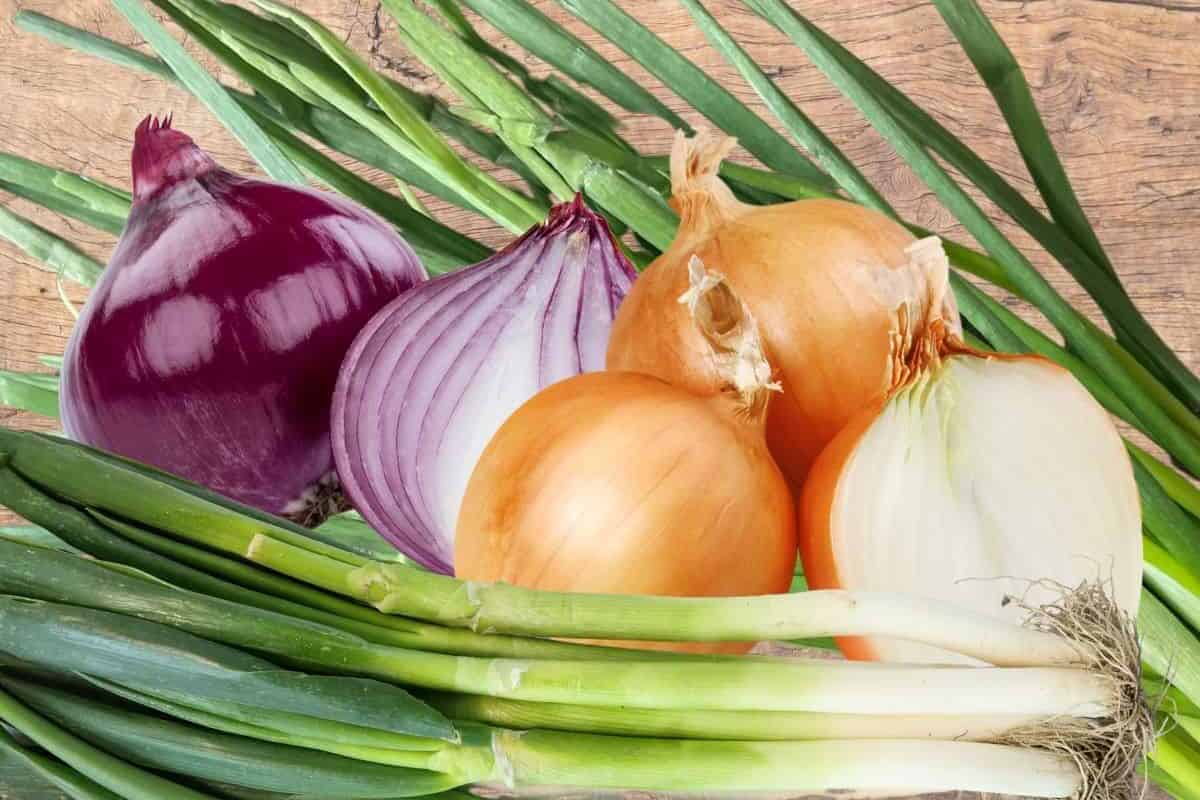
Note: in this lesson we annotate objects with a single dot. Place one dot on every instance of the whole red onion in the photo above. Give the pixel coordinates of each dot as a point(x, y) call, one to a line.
point(211, 345)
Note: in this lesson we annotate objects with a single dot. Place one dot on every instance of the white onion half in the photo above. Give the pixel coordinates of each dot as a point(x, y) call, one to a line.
point(985, 479)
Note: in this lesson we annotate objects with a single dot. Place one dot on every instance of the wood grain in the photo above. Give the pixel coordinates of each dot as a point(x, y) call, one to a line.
point(1118, 82)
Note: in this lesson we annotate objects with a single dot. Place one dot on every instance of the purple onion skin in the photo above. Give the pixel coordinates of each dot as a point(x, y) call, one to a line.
point(433, 375)
point(211, 345)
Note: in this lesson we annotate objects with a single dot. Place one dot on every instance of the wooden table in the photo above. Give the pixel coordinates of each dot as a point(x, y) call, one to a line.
point(1118, 82)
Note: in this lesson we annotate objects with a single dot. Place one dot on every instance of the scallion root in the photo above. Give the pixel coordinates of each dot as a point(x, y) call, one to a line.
point(1106, 750)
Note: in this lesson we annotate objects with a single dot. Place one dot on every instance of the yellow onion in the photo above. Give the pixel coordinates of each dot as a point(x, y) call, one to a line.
point(991, 483)
point(618, 482)
point(832, 285)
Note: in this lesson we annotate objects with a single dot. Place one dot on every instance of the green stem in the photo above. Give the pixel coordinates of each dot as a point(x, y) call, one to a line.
point(278, 726)
point(642, 210)
point(693, 85)
point(1081, 335)
point(57, 253)
point(1177, 487)
point(1173, 583)
point(801, 128)
point(86, 478)
point(542, 758)
point(540, 35)
point(211, 93)
point(97, 204)
point(720, 725)
point(203, 571)
point(1177, 754)
point(171, 746)
point(34, 633)
point(1169, 647)
point(70, 781)
point(114, 774)
point(505, 206)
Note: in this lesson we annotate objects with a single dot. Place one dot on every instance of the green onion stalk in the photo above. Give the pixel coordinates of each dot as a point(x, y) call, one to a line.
point(117, 626)
point(66, 584)
point(73, 473)
point(514, 759)
point(172, 650)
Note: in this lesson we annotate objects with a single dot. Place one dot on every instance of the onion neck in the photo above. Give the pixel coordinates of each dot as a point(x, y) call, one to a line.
point(163, 156)
point(698, 194)
point(926, 328)
point(733, 337)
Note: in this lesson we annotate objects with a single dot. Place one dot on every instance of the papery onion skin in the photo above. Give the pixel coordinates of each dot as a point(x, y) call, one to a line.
point(1051, 532)
point(816, 275)
point(211, 344)
point(617, 482)
point(436, 373)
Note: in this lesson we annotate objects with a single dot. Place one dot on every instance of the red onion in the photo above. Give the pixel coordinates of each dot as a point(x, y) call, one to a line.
point(433, 375)
point(211, 345)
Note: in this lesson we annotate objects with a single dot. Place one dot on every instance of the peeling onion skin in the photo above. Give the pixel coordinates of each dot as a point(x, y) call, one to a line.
point(619, 482)
point(433, 376)
point(1044, 492)
point(806, 269)
point(211, 344)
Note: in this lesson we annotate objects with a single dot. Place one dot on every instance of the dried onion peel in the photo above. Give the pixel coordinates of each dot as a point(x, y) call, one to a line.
point(831, 284)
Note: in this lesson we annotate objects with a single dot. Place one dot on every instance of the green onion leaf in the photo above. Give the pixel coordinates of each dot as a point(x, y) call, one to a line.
point(1004, 79)
point(146, 655)
point(689, 82)
point(104, 769)
point(1172, 527)
point(167, 745)
point(1178, 755)
point(37, 536)
point(1169, 647)
point(507, 207)
point(211, 93)
point(1173, 583)
point(540, 35)
point(49, 248)
point(86, 42)
point(802, 129)
point(29, 391)
point(68, 188)
point(51, 770)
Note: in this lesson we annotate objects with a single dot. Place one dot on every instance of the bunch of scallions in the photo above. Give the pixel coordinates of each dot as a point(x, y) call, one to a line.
point(162, 642)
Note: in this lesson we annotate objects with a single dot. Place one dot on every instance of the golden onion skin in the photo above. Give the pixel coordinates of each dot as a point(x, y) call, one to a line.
point(617, 482)
point(805, 270)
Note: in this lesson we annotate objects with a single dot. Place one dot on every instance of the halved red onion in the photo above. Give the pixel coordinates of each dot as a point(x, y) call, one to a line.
point(435, 373)
point(211, 345)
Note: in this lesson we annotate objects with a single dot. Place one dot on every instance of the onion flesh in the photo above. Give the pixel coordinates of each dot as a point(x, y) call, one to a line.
point(431, 378)
point(211, 344)
point(990, 483)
